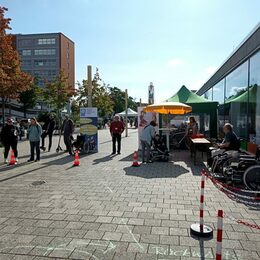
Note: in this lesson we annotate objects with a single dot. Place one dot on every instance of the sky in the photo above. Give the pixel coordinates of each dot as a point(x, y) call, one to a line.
point(134, 42)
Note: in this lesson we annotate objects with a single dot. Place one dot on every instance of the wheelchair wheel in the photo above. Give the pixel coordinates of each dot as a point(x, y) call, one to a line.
point(85, 147)
point(251, 178)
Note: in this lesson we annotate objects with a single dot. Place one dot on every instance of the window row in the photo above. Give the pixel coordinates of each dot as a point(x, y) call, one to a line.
point(38, 52)
point(31, 42)
point(45, 73)
point(45, 63)
point(47, 41)
point(45, 52)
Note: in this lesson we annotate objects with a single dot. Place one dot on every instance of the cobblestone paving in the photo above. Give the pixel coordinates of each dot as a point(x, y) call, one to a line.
point(106, 209)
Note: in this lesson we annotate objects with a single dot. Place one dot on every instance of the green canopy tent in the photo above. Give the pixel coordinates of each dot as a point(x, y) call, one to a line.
point(200, 105)
point(237, 109)
point(244, 98)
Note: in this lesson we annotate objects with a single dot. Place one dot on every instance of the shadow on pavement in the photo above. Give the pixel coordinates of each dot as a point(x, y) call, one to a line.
point(129, 158)
point(23, 173)
point(156, 170)
point(103, 159)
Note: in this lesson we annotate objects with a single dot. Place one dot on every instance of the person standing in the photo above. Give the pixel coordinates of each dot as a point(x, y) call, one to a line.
point(9, 137)
point(192, 127)
point(116, 129)
point(35, 132)
point(146, 140)
point(68, 129)
point(48, 132)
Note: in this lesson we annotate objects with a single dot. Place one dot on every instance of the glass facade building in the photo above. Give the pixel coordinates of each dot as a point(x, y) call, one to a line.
point(236, 87)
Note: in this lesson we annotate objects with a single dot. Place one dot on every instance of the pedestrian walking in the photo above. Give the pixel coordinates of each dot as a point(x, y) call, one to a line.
point(116, 129)
point(48, 131)
point(9, 137)
point(68, 129)
point(146, 141)
point(34, 133)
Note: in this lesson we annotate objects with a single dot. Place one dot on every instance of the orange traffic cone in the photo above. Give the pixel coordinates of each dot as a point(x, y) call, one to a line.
point(76, 159)
point(12, 160)
point(135, 160)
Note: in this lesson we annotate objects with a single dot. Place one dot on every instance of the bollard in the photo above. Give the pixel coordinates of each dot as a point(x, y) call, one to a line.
point(219, 235)
point(201, 229)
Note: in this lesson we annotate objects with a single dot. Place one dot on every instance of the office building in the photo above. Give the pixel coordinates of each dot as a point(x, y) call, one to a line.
point(44, 55)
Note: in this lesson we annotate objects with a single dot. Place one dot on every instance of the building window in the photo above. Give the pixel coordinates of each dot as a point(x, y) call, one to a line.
point(45, 52)
point(25, 42)
point(46, 41)
point(208, 95)
point(218, 92)
point(26, 52)
point(26, 63)
point(46, 63)
point(236, 81)
point(254, 99)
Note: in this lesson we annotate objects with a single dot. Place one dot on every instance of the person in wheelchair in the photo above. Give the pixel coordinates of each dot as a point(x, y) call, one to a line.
point(78, 144)
point(230, 144)
point(159, 151)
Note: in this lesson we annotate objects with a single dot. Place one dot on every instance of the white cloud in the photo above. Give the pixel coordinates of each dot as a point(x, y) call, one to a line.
point(175, 62)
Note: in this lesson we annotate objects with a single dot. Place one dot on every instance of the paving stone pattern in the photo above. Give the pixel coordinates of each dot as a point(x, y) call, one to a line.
point(106, 209)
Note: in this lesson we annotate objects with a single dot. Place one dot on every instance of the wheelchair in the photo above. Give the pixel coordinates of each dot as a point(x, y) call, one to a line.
point(84, 144)
point(236, 167)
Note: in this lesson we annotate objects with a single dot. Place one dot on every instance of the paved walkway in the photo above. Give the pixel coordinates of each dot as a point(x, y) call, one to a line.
point(106, 209)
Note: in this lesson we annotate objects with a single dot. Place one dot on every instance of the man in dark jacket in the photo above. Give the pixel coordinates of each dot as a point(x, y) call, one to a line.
point(48, 131)
point(68, 129)
point(116, 129)
point(9, 137)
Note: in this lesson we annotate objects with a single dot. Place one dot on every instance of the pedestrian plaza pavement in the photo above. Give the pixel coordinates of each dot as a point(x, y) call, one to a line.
point(107, 209)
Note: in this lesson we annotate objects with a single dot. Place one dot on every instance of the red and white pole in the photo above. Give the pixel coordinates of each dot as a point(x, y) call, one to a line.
point(202, 186)
point(219, 235)
point(199, 229)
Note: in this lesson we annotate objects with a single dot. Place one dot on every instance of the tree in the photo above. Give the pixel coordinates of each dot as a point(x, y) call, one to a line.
point(58, 93)
point(118, 97)
point(100, 95)
point(29, 97)
point(12, 80)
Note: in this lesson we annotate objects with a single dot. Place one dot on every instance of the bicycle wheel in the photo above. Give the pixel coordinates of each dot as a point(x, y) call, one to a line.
point(251, 178)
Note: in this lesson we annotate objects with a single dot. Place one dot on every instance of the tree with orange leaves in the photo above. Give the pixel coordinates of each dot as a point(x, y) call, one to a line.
point(12, 80)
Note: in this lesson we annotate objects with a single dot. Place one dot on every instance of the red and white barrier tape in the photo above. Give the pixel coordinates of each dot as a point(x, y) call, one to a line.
point(239, 221)
point(219, 235)
point(229, 188)
point(235, 194)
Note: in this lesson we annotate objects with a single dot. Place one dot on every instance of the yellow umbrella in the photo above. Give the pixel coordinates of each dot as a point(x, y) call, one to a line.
point(174, 108)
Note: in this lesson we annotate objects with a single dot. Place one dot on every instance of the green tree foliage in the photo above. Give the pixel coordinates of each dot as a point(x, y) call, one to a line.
point(57, 93)
point(118, 97)
point(29, 98)
point(100, 96)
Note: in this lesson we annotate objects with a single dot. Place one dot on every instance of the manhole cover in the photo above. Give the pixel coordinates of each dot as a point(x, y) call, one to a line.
point(36, 183)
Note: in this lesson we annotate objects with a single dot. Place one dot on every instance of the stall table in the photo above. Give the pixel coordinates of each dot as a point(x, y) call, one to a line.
point(197, 144)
